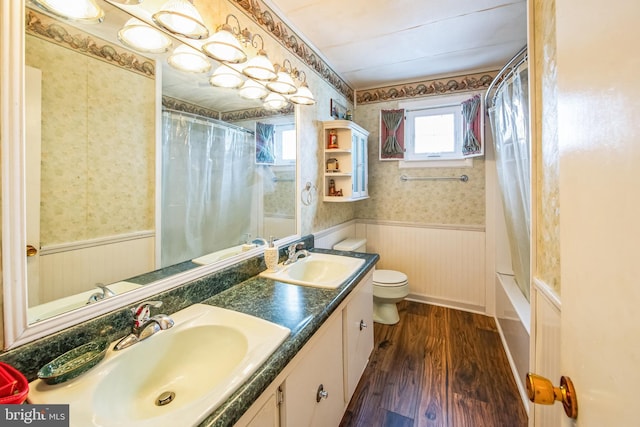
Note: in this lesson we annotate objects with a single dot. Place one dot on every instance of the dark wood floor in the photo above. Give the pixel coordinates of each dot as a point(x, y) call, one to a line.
point(436, 367)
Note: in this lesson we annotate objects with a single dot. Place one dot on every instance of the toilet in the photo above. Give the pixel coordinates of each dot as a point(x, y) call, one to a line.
point(389, 286)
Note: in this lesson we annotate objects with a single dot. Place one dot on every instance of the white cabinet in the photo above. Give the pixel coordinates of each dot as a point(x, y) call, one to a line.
point(313, 391)
point(268, 415)
point(316, 386)
point(357, 334)
point(346, 171)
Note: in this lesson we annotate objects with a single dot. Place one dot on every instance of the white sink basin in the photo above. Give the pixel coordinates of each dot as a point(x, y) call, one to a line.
point(204, 358)
point(318, 270)
point(62, 305)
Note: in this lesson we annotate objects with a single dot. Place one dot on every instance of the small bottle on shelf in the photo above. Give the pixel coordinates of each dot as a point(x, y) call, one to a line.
point(333, 139)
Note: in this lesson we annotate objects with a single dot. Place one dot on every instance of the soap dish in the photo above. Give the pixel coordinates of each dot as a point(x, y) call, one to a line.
point(74, 362)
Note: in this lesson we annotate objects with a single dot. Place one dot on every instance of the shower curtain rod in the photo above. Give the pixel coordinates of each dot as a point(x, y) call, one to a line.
point(462, 178)
point(506, 70)
point(209, 120)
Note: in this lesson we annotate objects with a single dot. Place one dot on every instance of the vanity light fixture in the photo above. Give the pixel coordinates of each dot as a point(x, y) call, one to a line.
point(275, 101)
point(182, 18)
point(284, 83)
point(253, 90)
point(259, 67)
point(225, 45)
point(224, 76)
point(143, 37)
point(303, 95)
point(186, 58)
point(86, 11)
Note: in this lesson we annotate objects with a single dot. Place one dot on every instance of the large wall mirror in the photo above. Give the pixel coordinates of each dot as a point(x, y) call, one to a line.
point(137, 172)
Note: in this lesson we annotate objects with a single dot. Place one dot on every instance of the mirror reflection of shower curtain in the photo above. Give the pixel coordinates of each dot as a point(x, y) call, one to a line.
point(510, 126)
point(207, 179)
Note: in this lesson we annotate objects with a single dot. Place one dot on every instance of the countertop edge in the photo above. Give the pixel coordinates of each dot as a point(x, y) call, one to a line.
point(229, 412)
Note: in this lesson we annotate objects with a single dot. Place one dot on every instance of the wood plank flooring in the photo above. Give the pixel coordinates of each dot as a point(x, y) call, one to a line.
point(437, 367)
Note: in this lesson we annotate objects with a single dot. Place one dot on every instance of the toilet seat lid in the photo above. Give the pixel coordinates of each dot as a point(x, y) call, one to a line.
point(389, 277)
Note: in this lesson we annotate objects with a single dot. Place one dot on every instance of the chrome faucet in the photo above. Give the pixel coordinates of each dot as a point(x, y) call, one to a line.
point(295, 251)
point(145, 325)
point(104, 293)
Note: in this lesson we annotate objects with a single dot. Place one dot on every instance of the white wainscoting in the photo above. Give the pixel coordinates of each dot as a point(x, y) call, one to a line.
point(71, 269)
point(547, 308)
point(445, 265)
point(325, 239)
point(278, 226)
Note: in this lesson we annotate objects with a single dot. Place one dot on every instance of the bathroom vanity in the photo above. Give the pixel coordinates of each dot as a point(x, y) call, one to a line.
point(307, 380)
point(319, 365)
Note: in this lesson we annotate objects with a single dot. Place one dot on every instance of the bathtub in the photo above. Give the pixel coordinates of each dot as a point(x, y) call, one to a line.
point(513, 314)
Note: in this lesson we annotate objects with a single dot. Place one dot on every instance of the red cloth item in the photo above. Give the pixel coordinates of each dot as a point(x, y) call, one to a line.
point(14, 387)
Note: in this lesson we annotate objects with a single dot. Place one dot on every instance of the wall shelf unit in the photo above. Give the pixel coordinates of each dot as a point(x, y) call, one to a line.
point(345, 168)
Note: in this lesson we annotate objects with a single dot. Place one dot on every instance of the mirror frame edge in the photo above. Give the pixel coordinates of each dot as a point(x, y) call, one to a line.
point(13, 185)
point(16, 329)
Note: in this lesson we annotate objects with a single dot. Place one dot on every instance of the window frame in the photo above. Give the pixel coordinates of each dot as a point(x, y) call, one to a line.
point(435, 106)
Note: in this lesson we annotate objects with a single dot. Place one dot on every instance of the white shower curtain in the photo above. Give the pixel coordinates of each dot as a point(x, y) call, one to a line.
point(207, 183)
point(510, 126)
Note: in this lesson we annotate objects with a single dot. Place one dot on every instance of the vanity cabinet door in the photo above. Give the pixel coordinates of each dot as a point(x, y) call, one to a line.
point(318, 372)
point(358, 334)
point(268, 415)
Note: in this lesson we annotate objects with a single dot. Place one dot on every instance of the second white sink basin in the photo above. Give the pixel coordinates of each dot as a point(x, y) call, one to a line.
point(192, 368)
point(317, 270)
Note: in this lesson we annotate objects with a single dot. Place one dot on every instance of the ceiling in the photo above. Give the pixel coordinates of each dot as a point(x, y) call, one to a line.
point(377, 43)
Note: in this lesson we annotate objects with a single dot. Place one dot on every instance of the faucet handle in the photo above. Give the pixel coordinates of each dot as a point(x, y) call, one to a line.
point(295, 247)
point(142, 312)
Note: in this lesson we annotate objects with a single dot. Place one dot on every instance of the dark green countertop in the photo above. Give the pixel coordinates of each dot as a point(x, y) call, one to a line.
point(302, 309)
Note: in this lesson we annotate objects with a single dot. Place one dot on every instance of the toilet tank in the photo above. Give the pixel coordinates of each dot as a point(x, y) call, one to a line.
point(353, 244)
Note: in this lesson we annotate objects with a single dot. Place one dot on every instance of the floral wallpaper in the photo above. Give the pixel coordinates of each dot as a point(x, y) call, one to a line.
point(546, 144)
point(425, 202)
point(98, 134)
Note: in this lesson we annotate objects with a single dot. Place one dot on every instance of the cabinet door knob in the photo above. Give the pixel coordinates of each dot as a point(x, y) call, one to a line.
point(322, 393)
point(362, 325)
point(541, 391)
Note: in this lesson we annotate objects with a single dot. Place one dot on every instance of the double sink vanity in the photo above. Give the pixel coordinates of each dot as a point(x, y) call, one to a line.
point(281, 348)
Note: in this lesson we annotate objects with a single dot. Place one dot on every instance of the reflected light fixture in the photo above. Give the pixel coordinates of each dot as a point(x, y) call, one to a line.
point(86, 11)
point(284, 83)
point(252, 90)
point(143, 37)
point(303, 95)
point(224, 76)
point(275, 101)
point(224, 44)
point(182, 18)
point(259, 67)
point(186, 58)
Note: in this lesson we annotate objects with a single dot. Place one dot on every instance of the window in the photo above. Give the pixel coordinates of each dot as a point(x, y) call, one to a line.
point(434, 133)
point(285, 136)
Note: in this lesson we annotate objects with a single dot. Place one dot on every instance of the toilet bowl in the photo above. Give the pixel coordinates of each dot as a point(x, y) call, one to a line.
point(389, 286)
